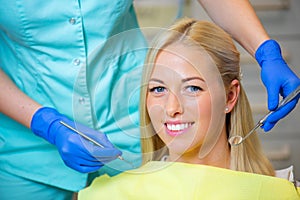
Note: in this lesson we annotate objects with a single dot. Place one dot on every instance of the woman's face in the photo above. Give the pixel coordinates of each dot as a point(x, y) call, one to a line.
point(179, 100)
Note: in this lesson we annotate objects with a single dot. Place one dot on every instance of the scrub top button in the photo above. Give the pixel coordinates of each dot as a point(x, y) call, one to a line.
point(81, 100)
point(72, 21)
point(76, 62)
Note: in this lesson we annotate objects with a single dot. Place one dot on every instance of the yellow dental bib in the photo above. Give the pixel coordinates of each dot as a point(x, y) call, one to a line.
point(166, 180)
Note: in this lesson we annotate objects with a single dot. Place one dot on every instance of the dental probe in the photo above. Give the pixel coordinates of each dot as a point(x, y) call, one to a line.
point(90, 139)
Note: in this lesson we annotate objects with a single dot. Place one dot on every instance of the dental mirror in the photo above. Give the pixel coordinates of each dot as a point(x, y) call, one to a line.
point(235, 140)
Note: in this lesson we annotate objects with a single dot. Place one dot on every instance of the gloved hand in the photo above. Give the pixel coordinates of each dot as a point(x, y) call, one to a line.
point(278, 78)
point(76, 152)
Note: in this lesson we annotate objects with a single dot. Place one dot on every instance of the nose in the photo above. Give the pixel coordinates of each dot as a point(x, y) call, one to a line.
point(173, 105)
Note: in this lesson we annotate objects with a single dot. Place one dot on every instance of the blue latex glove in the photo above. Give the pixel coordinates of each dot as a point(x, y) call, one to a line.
point(278, 78)
point(76, 152)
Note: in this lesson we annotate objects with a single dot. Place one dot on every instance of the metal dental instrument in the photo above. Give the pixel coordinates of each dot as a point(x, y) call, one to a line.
point(237, 139)
point(90, 139)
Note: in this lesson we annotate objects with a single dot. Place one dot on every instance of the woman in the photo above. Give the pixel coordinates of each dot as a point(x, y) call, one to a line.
point(221, 49)
point(192, 100)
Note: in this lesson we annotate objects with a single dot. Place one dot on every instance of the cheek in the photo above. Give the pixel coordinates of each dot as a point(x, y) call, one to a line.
point(199, 109)
point(204, 111)
point(202, 116)
point(155, 110)
point(204, 106)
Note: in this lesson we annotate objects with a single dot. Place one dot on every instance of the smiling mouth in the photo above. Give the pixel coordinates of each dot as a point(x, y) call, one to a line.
point(177, 129)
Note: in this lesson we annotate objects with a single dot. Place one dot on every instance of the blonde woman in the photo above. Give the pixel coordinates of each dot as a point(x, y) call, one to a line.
point(192, 100)
point(220, 47)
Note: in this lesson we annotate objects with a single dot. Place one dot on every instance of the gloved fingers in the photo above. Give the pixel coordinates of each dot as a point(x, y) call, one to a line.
point(106, 155)
point(279, 114)
point(87, 169)
point(96, 154)
point(273, 95)
point(99, 152)
point(103, 154)
point(82, 162)
point(82, 148)
point(87, 162)
point(102, 139)
point(277, 77)
point(99, 137)
point(78, 157)
point(83, 168)
point(75, 151)
point(268, 126)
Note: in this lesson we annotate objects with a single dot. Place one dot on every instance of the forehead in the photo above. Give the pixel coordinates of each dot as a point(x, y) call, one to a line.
point(185, 61)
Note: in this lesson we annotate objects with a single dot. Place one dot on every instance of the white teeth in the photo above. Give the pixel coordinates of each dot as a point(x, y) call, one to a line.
point(178, 127)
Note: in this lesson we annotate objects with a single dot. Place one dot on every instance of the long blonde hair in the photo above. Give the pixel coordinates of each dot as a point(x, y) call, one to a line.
point(219, 45)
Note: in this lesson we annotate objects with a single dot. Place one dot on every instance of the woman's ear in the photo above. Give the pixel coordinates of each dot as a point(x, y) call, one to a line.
point(232, 95)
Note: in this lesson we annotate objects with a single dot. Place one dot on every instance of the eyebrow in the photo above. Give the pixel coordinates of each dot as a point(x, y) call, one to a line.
point(192, 78)
point(183, 80)
point(156, 80)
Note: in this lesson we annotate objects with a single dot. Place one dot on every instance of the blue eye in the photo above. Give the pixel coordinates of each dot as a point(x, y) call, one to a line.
point(193, 89)
point(157, 89)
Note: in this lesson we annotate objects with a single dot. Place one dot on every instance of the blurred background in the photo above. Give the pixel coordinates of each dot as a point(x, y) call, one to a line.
point(281, 18)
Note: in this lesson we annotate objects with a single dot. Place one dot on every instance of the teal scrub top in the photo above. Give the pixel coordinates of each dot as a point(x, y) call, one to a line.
point(83, 58)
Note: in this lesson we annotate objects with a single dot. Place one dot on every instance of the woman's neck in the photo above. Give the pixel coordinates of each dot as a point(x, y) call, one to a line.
point(219, 156)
